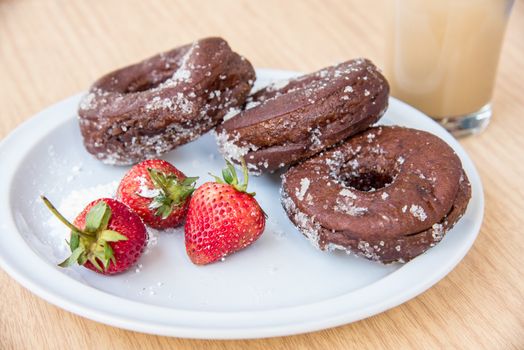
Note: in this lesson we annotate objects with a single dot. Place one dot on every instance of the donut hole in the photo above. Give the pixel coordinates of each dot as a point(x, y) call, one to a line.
point(139, 82)
point(367, 180)
point(144, 83)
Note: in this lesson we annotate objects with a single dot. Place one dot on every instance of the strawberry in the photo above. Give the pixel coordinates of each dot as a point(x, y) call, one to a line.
point(158, 192)
point(106, 237)
point(222, 218)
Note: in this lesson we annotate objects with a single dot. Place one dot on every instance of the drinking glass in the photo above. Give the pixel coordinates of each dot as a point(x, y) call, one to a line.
point(443, 56)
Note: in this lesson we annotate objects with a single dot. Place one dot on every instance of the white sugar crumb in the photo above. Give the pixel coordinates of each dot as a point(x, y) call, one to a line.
point(183, 73)
point(252, 104)
point(344, 97)
point(309, 199)
point(437, 232)
point(72, 205)
point(77, 200)
point(177, 104)
point(366, 93)
point(152, 239)
point(370, 137)
point(323, 73)
point(404, 208)
point(306, 226)
point(347, 193)
point(231, 113)
point(144, 190)
point(401, 160)
point(368, 251)
point(384, 196)
point(348, 88)
point(346, 206)
point(230, 149)
point(87, 101)
point(418, 212)
point(353, 164)
point(315, 138)
point(183, 103)
point(304, 186)
point(332, 246)
point(397, 248)
point(154, 234)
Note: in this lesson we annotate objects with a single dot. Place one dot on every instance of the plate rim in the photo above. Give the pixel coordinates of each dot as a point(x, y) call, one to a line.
point(9, 229)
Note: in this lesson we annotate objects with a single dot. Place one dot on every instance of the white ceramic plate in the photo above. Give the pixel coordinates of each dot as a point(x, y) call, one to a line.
point(280, 285)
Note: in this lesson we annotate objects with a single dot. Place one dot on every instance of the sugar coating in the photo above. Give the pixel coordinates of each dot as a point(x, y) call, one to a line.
point(304, 185)
point(332, 246)
point(231, 150)
point(72, 205)
point(144, 190)
point(418, 212)
point(347, 206)
point(231, 112)
point(207, 109)
point(368, 251)
point(348, 193)
point(304, 223)
point(437, 232)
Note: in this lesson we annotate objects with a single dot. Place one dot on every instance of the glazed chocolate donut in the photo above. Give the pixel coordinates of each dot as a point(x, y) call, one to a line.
point(146, 109)
point(290, 121)
point(388, 194)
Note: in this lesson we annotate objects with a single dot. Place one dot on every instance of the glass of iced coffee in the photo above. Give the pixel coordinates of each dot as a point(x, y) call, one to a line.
point(443, 55)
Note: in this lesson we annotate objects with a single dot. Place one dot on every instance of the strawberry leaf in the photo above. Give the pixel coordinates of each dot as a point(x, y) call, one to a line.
point(82, 259)
point(173, 192)
point(74, 241)
point(73, 258)
point(98, 217)
point(164, 211)
point(111, 236)
point(92, 260)
point(108, 252)
point(159, 179)
point(228, 177)
point(189, 181)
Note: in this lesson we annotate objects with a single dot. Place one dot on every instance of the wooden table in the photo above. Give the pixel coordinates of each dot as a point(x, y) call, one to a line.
point(50, 50)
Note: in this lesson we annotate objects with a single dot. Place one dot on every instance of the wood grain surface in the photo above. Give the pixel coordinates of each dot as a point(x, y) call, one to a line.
point(50, 50)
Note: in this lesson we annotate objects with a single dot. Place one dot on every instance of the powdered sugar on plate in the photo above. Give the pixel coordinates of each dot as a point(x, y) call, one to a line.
point(70, 206)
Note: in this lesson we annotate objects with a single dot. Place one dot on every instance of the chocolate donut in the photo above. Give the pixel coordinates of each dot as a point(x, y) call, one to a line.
point(290, 121)
point(388, 194)
point(146, 109)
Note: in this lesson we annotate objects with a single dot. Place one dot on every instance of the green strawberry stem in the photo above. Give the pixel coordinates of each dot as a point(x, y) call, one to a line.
point(92, 243)
point(172, 191)
point(62, 219)
point(230, 177)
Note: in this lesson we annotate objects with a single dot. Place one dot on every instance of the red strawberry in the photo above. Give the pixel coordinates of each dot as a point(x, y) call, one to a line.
point(106, 237)
point(222, 218)
point(158, 192)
